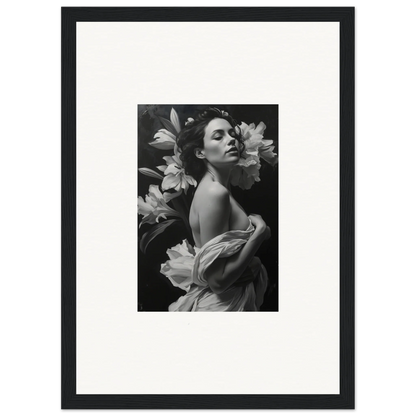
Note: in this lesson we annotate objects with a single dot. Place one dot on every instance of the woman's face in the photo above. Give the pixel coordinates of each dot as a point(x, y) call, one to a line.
point(221, 147)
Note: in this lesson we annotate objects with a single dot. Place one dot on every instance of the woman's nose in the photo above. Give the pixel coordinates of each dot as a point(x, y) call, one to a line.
point(231, 141)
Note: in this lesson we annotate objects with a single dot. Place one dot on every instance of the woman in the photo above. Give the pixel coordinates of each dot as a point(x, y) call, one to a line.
point(223, 273)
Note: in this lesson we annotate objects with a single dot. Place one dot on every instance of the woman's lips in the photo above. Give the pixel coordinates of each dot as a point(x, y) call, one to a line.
point(233, 149)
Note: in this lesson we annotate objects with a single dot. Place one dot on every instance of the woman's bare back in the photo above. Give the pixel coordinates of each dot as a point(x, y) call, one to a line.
point(237, 218)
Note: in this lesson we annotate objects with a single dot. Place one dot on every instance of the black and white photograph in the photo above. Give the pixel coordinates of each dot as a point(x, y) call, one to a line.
point(208, 208)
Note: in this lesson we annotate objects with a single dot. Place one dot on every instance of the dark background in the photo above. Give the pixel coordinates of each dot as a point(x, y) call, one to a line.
point(155, 292)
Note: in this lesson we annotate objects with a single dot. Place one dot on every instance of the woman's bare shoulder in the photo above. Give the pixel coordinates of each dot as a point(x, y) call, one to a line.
point(212, 193)
point(216, 190)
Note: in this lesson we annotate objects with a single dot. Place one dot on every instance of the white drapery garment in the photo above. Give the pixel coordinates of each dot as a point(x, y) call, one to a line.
point(187, 268)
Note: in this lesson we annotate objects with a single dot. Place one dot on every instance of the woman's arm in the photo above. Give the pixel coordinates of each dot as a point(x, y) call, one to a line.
point(214, 217)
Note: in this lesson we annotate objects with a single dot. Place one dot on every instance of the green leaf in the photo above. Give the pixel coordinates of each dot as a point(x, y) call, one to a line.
point(154, 232)
point(168, 125)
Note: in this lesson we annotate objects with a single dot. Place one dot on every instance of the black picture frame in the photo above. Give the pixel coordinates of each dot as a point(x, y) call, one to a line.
point(69, 398)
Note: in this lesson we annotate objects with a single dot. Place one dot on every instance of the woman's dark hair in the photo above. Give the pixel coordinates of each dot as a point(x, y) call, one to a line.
point(192, 135)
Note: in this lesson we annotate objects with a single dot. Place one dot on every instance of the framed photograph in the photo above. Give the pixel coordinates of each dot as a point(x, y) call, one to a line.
point(232, 132)
point(179, 218)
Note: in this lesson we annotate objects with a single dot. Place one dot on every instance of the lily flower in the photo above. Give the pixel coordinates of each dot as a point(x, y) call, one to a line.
point(246, 172)
point(154, 207)
point(254, 143)
point(165, 140)
point(266, 152)
point(175, 176)
point(178, 269)
point(183, 249)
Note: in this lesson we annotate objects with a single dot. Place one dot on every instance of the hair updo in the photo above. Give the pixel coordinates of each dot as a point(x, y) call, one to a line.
point(192, 135)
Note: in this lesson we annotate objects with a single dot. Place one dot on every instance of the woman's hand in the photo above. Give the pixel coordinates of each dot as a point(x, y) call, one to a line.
point(261, 228)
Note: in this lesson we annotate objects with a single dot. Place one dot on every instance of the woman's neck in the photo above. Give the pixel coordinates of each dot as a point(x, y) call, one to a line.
point(219, 175)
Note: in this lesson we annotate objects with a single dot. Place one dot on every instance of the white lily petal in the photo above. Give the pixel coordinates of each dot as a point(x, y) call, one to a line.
point(162, 145)
point(154, 191)
point(168, 196)
point(151, 201)
point(161, 215)
point(184, 185)
point(165, 134)
point(183, 249)
point(171, 182)
point(177, 159)
point(177, 152)
point(191, 180)
point(161, 168)
point(260, 128)
point(143, 207)
point(169, 160)
point(252, 152)
point(175, 120)
point(270, 158)
point(172, 170)
point(267, 142)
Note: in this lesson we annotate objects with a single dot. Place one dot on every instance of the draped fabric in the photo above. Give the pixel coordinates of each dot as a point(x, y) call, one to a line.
point(187, 270)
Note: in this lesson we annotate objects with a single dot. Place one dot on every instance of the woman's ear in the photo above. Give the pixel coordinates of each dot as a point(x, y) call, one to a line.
point(199, 153)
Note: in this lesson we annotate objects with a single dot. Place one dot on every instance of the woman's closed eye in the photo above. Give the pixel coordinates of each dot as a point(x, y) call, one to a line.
point(231, 133)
